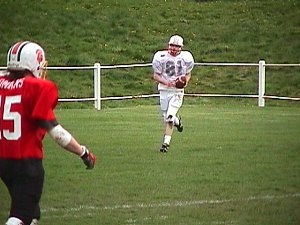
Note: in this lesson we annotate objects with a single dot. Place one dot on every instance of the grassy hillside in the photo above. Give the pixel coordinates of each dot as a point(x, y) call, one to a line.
point(130, 31)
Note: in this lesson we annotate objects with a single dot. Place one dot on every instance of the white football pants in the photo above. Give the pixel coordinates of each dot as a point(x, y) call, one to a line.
point(170, 102)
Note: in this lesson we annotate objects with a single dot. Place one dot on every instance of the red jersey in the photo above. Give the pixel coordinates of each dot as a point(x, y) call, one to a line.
point(22, 102)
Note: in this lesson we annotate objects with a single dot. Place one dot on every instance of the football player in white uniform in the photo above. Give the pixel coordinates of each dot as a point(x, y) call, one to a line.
point(167, 66)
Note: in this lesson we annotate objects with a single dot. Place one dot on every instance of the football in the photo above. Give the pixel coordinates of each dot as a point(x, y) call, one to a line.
point(180, 82)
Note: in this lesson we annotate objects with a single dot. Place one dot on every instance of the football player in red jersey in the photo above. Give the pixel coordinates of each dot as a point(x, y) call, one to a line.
point(27, 103)
point(168, 65)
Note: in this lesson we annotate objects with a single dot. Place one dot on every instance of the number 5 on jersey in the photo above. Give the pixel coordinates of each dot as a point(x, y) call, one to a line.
point(9, 115)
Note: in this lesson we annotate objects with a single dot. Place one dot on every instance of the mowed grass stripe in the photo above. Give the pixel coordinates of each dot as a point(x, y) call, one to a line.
point(90, 209)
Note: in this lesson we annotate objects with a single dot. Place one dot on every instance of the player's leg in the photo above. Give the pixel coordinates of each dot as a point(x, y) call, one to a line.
point(37, 215)
point(175, 104)
point(11, 220)
point(170, 104)
point(168, 127)
point(26, 191)
point(7, 174)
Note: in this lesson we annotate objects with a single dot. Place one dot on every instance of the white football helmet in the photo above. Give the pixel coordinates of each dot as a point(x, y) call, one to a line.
point(27, 55)
point(175, 45)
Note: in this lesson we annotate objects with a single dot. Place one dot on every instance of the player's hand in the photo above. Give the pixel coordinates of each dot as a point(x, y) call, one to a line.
point(89, 159)
point(171, 84)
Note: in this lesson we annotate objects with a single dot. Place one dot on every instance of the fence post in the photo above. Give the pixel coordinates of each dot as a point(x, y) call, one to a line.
point(97, 86)
point(261, 83)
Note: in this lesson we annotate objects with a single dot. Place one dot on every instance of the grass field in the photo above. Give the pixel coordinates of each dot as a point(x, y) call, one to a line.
point(234, 164)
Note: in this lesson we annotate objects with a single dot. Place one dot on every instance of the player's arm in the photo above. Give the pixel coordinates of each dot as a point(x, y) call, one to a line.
point(189, 59)
point(62, 137)
point(158, 78)
point(188, 77)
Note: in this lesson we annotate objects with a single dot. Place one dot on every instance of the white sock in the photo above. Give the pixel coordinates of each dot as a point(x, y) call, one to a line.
point(167, 139)
point(34, 222)
point(176, 121)
point(14, 221)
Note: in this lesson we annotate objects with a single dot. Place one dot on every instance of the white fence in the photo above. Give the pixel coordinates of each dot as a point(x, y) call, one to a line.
point(97, 82)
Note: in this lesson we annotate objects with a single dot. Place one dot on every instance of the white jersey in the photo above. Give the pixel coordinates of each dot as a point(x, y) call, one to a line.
point(170, 67)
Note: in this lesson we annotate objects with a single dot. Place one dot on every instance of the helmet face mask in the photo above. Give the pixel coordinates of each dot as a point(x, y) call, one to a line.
point(174, 49)
point(43, 70)
point(175, 45)
point(27, 56)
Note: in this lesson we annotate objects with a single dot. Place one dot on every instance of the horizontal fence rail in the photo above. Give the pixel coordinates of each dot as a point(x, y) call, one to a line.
point(97, 82)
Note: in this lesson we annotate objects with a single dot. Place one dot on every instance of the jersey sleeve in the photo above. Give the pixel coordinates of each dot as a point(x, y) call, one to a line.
point(46, 101)
point(189, 61)
point(156, 63)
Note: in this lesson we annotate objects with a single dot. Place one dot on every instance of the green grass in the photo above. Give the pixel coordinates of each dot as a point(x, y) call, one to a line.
point(233, 164)
point(130, 31)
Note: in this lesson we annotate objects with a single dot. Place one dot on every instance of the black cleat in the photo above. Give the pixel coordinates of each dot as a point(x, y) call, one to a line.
point(179, 126)
point(164, 148)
